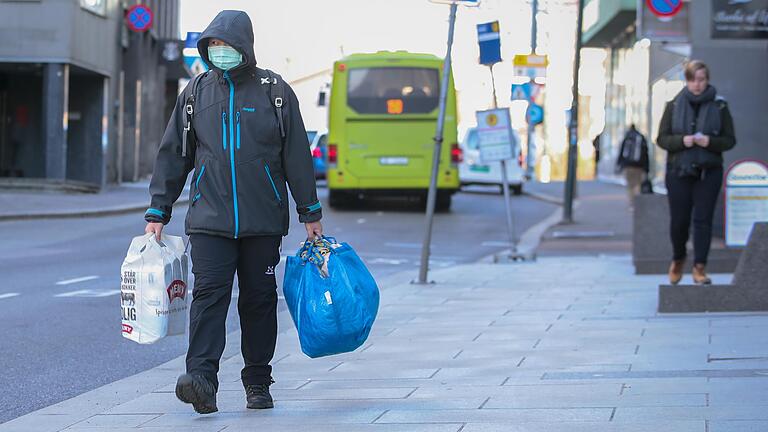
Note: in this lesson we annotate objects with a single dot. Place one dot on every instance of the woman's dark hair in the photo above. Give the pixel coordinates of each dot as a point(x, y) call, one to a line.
point(694, 66)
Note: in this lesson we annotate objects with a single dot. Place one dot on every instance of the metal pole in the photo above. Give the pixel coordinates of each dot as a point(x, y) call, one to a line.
point(120, 126)
point(137, 134)
point(432, 194)
point(530, 149)
point(505, 180)
point(573, 128)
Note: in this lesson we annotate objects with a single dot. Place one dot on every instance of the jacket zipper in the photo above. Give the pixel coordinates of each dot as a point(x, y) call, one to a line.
point(272, 182)
point(224, 129)
point(197, 185)
point(237, 116)
point(232, 151)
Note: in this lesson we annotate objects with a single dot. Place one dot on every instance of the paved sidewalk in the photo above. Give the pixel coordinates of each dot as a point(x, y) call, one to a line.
point(563, 344)
point(602, 222)
point(42, 204)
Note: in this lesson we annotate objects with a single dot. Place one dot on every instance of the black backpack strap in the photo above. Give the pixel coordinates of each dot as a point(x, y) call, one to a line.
point(276, 93)
point(189, 110)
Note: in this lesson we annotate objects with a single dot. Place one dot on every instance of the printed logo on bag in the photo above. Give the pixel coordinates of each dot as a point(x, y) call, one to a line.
point(177, 289)
point(270, 270)
point(127, 329)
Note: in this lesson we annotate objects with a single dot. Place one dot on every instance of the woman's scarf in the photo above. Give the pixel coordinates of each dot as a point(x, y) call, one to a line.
point(708, 120)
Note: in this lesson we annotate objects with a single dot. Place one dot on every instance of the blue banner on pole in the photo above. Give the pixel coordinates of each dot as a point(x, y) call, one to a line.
point(489, 39)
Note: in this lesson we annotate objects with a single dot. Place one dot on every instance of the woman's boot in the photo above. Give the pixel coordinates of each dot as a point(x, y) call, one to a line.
point(676, 271)
point(700, 275)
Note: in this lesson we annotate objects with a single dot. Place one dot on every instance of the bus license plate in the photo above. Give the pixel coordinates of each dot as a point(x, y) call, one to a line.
point(393, 161)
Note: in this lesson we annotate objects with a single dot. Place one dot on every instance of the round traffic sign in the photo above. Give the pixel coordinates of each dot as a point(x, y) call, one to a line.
point(139, 18)
point(664, 8)
point(535, 114)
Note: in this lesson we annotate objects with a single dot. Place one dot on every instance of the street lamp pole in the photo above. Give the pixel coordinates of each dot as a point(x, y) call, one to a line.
point(573, 127)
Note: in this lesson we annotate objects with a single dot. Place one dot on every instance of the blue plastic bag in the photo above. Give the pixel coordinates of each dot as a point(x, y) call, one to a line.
point(333, 314)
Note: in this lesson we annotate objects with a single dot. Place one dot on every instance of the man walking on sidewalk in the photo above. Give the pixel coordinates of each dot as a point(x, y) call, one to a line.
point(633, 160)
point(239, 128)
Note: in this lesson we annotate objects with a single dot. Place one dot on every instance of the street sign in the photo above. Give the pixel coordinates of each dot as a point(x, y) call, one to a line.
point(191, 40)
point(535, 114)
point(673, 29)
point(192, 57)
point(664, 8)
point(746, 200)
point(531, 65)
point(196, 65)
point(139, 18)
point(489, 39)
point(525, 91)
point(496, 141)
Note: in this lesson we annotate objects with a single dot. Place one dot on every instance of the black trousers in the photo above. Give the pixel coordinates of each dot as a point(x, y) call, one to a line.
point(214, 263)
point(697, 195)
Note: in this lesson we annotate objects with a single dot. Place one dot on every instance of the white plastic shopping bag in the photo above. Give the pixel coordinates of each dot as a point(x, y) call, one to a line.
point(153, 288)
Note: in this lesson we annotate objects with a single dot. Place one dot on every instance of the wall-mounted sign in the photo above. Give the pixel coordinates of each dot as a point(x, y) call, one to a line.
point(139, 18)
point(664, 8)
point(740, 19)
point(746, 200)
point(660, 28)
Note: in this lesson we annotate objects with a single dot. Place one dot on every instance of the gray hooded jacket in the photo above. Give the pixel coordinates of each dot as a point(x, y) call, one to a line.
point(240, 161)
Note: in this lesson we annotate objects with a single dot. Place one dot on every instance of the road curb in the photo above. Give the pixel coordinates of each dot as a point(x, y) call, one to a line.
point(531, 239)
point(543, 197)
point(99, 212)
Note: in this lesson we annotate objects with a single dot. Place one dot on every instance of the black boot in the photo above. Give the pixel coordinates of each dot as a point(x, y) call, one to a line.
point(258, 396)
point(198, 391)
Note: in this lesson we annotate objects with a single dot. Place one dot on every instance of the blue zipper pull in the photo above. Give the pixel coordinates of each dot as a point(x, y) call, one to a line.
point(224, 129)
point(237, 121)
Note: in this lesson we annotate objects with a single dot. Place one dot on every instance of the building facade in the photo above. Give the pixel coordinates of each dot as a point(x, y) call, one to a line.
point(83, 98)
point(646, 54)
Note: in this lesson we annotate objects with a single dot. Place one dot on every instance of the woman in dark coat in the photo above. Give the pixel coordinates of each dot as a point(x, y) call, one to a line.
point(696, 129)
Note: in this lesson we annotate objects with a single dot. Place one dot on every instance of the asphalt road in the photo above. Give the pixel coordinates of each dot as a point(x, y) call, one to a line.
point(59, 285)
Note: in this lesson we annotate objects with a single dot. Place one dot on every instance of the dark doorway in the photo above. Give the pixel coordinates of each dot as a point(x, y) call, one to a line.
point(84, 134)
point(21, 145)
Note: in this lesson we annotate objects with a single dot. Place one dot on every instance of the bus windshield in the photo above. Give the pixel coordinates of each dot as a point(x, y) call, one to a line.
point(393, 90)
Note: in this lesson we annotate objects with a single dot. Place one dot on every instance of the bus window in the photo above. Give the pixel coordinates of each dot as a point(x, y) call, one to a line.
point(373, 90)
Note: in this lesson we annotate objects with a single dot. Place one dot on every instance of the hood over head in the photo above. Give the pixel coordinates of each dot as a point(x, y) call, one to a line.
point(233, 27)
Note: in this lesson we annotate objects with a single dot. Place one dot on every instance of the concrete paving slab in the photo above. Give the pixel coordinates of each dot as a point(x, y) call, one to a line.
point(496, 415)
point(673, 426)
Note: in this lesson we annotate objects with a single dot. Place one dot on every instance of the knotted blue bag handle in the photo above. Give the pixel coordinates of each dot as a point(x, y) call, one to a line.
point(313, 254)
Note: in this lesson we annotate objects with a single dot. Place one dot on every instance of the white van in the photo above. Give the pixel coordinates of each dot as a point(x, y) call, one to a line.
point(472, 171)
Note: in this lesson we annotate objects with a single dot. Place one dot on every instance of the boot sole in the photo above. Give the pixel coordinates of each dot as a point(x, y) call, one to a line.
point(189, 391)
point(263, 406)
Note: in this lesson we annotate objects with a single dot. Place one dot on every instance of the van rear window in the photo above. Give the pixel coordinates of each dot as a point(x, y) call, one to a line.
point(393, 90)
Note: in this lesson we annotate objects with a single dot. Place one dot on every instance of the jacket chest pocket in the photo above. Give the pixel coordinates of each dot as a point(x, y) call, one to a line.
point(256, 130)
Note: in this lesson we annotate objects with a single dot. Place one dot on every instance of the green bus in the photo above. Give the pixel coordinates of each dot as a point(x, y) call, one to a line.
point(382, 119)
